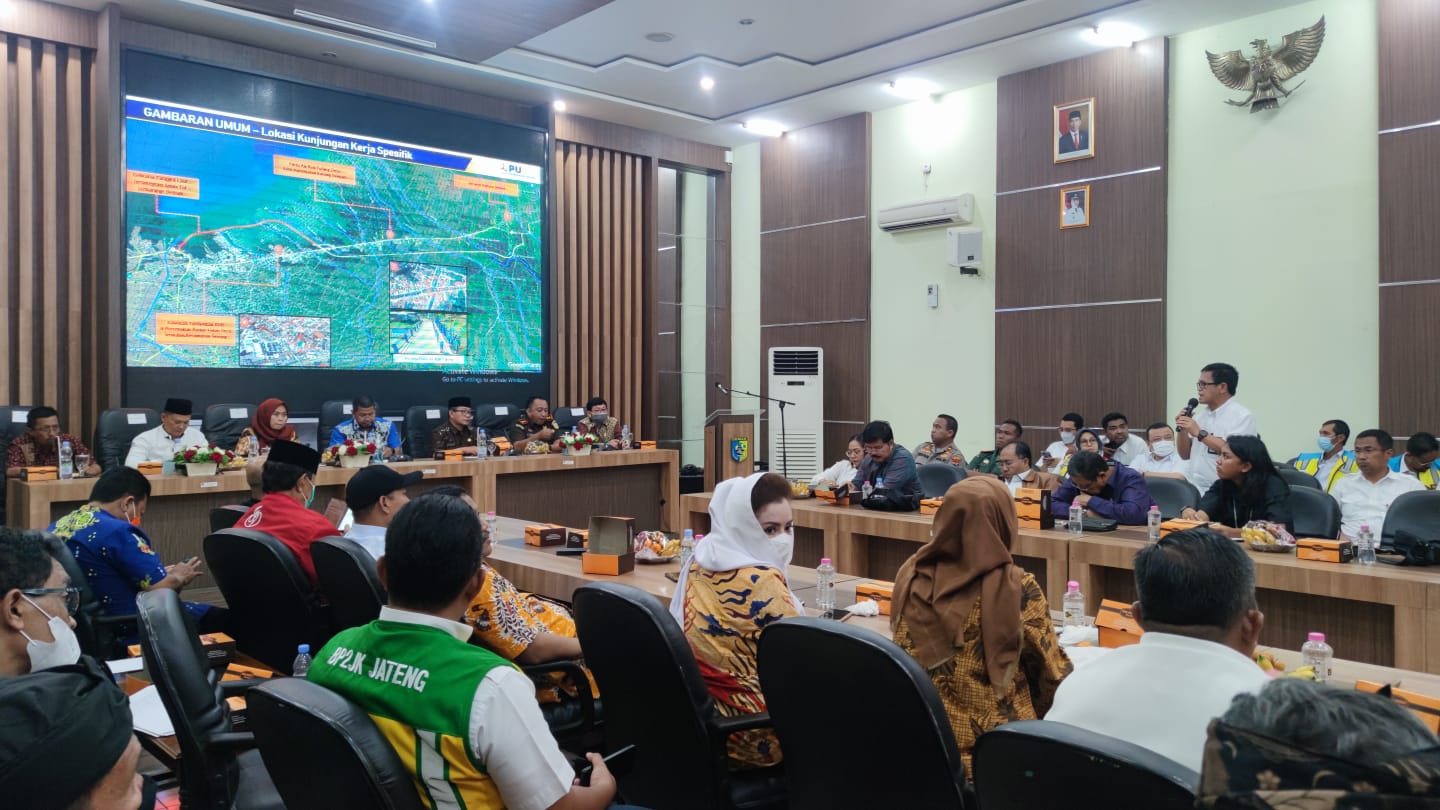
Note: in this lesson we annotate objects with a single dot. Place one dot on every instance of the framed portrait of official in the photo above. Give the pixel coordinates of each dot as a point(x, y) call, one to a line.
point(1074, 123)
point(1075, 207)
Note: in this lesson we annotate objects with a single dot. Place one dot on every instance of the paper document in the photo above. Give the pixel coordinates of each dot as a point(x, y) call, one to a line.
point(149, 713)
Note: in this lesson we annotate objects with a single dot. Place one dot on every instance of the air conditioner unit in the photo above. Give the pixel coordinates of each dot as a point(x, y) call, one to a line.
point(957, 210)
point(797, 374)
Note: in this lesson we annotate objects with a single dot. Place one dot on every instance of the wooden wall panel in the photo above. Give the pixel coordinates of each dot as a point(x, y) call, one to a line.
point(816, 174)
point(1409, 386)
point(1409, 63)
point(664, 148)
point(795, 273)
point(1409, 205)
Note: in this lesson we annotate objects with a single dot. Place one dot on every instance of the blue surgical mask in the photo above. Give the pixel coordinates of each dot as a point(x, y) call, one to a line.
point(1067, 436)
point(1326, 443)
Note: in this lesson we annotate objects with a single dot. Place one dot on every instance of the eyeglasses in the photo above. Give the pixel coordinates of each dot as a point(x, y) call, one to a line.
point(1201, 385)
point(462, 411)
point(72, 596)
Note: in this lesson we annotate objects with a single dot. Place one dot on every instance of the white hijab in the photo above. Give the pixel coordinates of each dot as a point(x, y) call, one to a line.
point(735, 540)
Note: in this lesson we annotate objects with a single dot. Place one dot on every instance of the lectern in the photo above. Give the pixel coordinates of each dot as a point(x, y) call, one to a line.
point(729, 446)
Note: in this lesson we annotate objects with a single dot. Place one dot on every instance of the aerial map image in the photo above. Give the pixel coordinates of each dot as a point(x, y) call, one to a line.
point(253, 243)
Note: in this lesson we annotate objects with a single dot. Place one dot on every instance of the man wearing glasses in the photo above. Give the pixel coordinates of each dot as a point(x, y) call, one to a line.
point(37, 601)
point(458, 433)
point(1200, 437)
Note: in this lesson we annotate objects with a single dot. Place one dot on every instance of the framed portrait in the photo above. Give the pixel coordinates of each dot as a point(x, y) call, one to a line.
point(1074, 130)
point(1075, 207)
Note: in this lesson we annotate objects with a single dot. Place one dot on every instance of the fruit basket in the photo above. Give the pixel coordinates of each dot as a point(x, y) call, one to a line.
point(800, 489)
point(656, 547)
point(1271, 537)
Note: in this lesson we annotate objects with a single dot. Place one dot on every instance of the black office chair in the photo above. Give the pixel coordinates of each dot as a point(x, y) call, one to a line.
point(221, 768)
point(273, 607)
point(1039, 764)
point(101, 636)
point(12, 424)
point(116, 430)
point(224, 421)
point(496, 418)
point(655, 699)
point(420, 422)
point(567, 418)
point(814, 716)
point(225, 517)
point(1415, 512)
point(332, 413)
point(1316, 513)
point(1295, 478)
point(1172, 495)
point(348, 579)
point(936, 479)
point(323, 751)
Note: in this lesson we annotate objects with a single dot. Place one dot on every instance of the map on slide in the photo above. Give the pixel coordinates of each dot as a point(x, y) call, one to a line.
point(253, 243)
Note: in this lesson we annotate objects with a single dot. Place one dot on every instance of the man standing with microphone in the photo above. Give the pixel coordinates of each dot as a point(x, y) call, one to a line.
point(1201, 436)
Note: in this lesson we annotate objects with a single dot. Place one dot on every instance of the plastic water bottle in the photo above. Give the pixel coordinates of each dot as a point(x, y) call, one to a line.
point(1316, 653)
point(490, 519)
point(687, 548)
point(302, 661)
point(1076, 523)
point(1365, 542)
point(1152, 524)
point(825, 586)
point(67, 456)
point(484, 446)
point(866, 490)
point(625, 437)
point(1074, 605)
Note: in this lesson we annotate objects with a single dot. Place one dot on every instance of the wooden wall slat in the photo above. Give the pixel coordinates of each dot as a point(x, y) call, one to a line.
point(25, 391)
point(9, 258)
point(77, 404)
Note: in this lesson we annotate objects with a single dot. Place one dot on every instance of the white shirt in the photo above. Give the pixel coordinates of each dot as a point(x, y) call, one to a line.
point(1133, 448)
point(507, 730)
point(1018, 482)
point(156, 445)
point(1147, 463)
point(1365, 504)
point(1230, 419)
point(1322, 470)
point(1160, 694)
point(370, 538)
point(840, 473)
point(1056, 451)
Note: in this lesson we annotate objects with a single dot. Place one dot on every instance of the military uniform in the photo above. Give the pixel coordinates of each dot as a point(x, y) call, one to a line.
point(449, 437)
point(524, 429)
point(926, 453)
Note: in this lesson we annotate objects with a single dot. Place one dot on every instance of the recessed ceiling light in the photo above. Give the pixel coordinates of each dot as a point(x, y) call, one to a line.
point(912, 88)
point(1114, 34)
point(659, 36)
point(559, 105)
point(747, 21)
point(761, 126)
point(707, 83)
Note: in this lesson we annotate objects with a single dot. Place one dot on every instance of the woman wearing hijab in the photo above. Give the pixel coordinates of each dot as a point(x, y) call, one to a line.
point(976, 621)
point(270, 424)
point(1248, 487)
point(1087, 439)
point(734, 588)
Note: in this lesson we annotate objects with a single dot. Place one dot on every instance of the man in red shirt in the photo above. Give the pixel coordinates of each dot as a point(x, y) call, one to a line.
point(288, 480)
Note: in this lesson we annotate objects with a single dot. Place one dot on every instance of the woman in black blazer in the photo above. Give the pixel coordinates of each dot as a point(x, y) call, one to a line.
point(1249, 488)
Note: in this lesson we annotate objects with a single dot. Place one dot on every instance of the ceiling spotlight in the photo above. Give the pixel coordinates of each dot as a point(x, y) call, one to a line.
point(659, 36)
point(761, 126)
point(911, 88)
point(559, 105)
point(707, 83)
point(747, 21)
point(1113, 34)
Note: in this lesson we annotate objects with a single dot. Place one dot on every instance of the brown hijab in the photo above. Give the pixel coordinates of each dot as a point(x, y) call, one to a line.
point(260, 423)
point(967, 559)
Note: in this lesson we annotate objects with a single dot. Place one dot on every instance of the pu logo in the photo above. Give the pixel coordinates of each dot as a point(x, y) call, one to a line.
point(739, 449)
point(254, 519)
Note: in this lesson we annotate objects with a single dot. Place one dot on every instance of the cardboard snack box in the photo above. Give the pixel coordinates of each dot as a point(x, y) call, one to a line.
point(826, 495)
point(878, 591)
point(1178, 525)
point(1322, 550)
point(930, 506)
point(1032, 508)
point(151, 468)
point(39, 473)
point(219, 649)
point(1117, 624)
point(545, 534)
point(1422, 706)
point(647, 445)
point(607, 564)
point(577, 538)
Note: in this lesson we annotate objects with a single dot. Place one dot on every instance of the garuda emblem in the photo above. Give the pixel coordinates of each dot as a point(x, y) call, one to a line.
point(1264, 74)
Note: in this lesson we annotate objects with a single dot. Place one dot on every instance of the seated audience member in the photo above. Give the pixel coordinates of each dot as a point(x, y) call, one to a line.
point(1248, 488)
point(464, 720)
point(737, 585)
point(1297, 743)
point(38, 601)
point(288, 479)
point(1087, 440)
point(172, 435)
point(889, 469)
point(1200, 437)
point(941, 447)
point(535, 432)
point(842, 471)
point(1159, 458)
point(254, 479)
point(39, 445)
point(1106, 489)
point(1124, 446)
point(1421, 460)
point(374, 495)
point(1333, 462)
point(1365, 498)
point(978, 623)
point(987, 462)
point(1197, 607)
point(458, 433)
point(1070, 425)
point(364, 426)
point(67, 742)
point(598, 421)
point(270, 424)
point(116, 555)
point(1017, 473)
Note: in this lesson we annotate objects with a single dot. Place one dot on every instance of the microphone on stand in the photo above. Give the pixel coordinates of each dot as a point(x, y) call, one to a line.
point(1189, 406)
point(721, 387)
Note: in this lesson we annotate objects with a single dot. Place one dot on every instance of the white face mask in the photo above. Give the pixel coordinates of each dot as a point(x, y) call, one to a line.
point(1163, 449)
point(1067, 437)
point(64, 650)
point(784, 547)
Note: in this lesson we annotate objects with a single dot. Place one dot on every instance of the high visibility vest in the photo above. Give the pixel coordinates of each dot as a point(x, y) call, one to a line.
point(1309, 463)
point(1427, 476)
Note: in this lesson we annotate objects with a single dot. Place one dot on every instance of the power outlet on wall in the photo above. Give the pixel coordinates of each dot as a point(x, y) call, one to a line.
point(932, 295)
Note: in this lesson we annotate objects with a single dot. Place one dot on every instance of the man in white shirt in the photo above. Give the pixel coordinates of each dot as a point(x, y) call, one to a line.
point(374, 495)
point(1201, 437)
point(1160, 459)
point(1421, 460)
point(174, 433)
point(1124, 446)
point(1070, 425)
point(1197, 607)
point(1365, 498)
point(1016, 472)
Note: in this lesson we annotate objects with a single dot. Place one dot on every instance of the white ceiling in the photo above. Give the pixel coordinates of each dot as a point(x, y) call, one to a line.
point(799, 63)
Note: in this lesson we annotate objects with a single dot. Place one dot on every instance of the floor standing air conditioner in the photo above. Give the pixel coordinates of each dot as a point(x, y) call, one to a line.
point(797, 374)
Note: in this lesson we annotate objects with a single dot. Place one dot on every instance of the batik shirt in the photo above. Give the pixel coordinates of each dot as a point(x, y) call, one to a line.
point(24, 452)
point(508, 621)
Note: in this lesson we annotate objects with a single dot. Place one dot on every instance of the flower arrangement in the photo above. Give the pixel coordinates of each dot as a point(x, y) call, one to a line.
point(350, 453)
point(579, 440)
point(203, 454)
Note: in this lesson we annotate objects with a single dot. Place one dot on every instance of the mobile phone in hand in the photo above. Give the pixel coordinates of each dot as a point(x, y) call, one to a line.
point(619, 761)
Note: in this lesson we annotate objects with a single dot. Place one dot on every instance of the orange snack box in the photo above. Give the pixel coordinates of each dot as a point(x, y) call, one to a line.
point(1117, 624)
point(151, 468)
point(1178, 525)
point(878, 591)
point(1032, 508)
point(826, 495)
point(1422, 706)
point(544, 534)
point(930, 506)
point(39, 473)
point(647, 445)
point(1322, 550)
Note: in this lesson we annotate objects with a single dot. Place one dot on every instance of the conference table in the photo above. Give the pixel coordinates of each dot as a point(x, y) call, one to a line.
point(1382, 614)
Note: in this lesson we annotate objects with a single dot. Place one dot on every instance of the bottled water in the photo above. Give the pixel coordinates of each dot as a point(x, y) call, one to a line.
point(825, 586)
point(1365, 546)
point(490, 519)
point(1316, 653)
point(484, 447)
point(302, 661)
point(1074, 604)
point(1152, 524)
point(1077, 515)
point(866, 490)
point(625, 437)
point(687, 548)
point(66, 458)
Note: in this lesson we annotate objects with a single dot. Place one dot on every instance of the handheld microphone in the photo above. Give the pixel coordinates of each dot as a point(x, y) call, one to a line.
point(1190, 406)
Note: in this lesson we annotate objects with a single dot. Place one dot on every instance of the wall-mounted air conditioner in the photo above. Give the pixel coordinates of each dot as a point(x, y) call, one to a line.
point(933, 213)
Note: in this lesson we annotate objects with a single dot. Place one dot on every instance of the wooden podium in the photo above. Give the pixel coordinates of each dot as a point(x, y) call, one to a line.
point(723, 430)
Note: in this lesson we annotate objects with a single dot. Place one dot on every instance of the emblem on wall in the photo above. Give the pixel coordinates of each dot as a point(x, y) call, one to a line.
point(739, 449)
point(1264, 74)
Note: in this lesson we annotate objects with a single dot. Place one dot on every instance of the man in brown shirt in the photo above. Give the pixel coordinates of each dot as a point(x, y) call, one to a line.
point(456, 434)
point(1016, 472)
point(535, 432)
point(39, 446)
point(599, 422)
